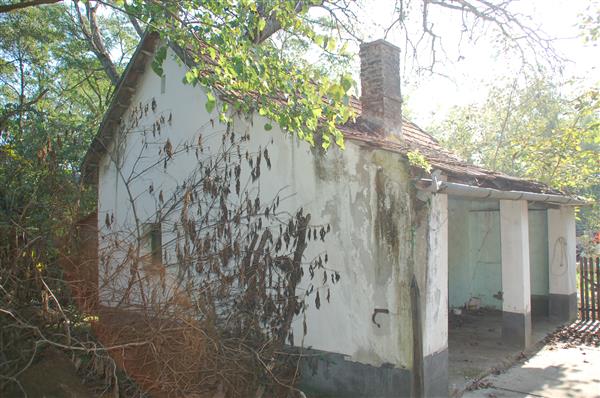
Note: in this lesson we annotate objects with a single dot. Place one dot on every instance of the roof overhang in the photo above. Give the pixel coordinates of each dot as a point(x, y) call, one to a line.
point(474, 192)
point(120, 102)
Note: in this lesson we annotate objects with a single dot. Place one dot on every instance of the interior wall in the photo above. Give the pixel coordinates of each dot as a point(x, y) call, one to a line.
point(458, 249)
point(474, 254)
point(538, 251)
point(474, 258)
point(538, 260)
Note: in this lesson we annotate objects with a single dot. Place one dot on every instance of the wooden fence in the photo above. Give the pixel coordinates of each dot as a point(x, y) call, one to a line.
point(589, 288)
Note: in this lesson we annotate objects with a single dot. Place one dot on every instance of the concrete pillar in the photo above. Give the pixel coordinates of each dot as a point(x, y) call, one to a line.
point(435, 319)
point(562, 265)
point(516, 290)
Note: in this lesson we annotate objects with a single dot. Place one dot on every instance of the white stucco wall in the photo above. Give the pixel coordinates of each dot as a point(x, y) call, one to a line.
point(514, 232)
point(436, 289)
point(363, 193)
point(562, 250)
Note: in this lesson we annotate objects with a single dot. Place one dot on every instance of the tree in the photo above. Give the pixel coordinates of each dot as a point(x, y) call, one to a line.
point(53, 92)
point(233, 47)
point(533, 131)
point(508, 31)
point(18, 5)
point(239, 41)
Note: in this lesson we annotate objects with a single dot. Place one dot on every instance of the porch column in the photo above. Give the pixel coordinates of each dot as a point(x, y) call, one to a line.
point(516, 290)
point(562, 263)
point(435, 320)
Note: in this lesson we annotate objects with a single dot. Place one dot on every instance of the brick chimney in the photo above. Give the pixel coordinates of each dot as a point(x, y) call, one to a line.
point(380, 86)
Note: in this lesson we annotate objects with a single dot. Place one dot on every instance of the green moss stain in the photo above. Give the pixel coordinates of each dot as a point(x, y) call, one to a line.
point(328, 166)
point(387, 217)
point(393, 207)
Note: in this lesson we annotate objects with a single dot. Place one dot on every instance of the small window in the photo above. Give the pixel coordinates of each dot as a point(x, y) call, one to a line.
point(163, 84)
point(152, 243)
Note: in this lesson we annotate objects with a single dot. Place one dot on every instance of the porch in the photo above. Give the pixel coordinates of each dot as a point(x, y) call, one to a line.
point(507, 255)
point(511, 281)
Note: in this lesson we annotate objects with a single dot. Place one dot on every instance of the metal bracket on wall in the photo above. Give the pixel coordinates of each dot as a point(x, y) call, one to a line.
point(379, 311)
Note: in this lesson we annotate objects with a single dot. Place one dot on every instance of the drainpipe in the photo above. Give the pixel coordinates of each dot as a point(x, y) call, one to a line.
point(470, 191)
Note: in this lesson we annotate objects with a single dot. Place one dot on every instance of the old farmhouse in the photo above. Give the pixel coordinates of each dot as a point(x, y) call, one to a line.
point(409, 245)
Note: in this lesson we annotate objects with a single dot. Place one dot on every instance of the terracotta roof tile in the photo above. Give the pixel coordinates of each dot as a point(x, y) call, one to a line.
point(457, 169)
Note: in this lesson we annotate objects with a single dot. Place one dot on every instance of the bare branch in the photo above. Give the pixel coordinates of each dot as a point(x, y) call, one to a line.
point(91, 32)
point(25, 4)
point(21, 108)
point(517, 30)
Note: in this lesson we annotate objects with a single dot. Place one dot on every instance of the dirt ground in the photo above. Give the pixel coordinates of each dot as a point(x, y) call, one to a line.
point(52, 375)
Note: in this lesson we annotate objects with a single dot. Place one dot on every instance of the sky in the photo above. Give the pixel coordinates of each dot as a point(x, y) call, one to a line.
point(464, 74)
point(430, 96)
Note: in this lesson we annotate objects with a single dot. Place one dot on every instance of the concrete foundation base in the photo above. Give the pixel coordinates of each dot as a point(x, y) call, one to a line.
point(331, 375)
point(563, 307)
point(435, 374)
point(539, 305)
point(516, 329)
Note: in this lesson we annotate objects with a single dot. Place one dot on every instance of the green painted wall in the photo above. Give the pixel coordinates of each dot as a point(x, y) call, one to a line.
point(474, 258)
point(474, 252)
point(538, 251)
point(458, 252)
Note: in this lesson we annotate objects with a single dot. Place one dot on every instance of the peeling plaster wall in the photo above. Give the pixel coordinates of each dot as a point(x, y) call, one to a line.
point(436, 286)
point(378, 227)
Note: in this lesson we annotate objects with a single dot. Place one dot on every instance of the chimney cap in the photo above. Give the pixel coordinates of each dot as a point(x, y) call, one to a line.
point(379, 42)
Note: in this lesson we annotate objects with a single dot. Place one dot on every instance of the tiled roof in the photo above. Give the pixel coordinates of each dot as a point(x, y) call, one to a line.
point(457, 169)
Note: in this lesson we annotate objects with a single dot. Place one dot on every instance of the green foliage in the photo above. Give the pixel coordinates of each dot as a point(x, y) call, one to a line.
point(236, 54)
point(53, 88)
point(590, 22)
point(417, 159)
point(53, 92)
point(534, 132)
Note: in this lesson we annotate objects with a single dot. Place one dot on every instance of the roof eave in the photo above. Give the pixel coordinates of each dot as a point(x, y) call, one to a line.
point(120, 102)
point(475, 192)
